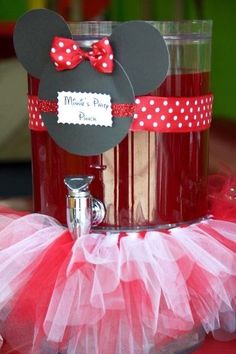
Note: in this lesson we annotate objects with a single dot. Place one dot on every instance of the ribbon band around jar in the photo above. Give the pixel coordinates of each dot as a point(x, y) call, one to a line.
point(151, 113)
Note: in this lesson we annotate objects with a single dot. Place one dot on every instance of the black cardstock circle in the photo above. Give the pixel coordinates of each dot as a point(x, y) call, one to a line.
point(33, 36)
point(81, 139)
point(143, 53)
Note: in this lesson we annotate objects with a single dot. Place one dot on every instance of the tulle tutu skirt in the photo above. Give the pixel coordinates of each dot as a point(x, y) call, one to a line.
point(114, 293)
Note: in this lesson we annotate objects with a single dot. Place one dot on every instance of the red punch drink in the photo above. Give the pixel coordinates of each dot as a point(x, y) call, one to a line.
point(182, 159)
point(151, 179)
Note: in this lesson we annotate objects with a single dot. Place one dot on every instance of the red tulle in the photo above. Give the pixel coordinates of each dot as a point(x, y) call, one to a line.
point(105, 294)
point(24, 324)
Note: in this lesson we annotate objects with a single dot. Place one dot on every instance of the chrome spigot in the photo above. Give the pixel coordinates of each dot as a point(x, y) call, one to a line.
point(82, 210)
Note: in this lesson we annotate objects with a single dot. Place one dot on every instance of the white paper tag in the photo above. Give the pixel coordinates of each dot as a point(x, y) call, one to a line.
point(84, 108)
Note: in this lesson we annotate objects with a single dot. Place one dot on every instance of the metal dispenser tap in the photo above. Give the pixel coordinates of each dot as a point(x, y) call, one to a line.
point(82, 211)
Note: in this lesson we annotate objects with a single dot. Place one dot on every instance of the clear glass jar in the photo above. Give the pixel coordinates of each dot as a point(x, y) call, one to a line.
point(150, 180)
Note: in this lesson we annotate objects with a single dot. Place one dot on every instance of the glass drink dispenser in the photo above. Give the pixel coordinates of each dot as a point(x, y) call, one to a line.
point(151, 179)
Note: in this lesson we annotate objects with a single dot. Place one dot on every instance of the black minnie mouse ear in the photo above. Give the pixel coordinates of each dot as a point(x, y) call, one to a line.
point(143, 53)
point(33, 35)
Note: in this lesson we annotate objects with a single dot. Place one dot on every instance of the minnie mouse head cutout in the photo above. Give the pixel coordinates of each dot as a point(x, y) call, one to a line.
point(90, 87)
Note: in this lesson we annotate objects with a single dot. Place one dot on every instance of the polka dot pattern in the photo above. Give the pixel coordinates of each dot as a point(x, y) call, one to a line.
point(66, 54)
point(150, 113)
point(35, 118)
point(173, 114)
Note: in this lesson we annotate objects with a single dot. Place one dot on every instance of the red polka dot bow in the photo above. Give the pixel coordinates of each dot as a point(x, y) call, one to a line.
point(66, 54)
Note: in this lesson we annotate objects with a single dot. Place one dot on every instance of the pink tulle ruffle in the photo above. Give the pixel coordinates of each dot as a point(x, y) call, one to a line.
point(113, 293)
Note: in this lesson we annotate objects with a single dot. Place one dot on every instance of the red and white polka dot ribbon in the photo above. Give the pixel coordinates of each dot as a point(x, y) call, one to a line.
point(66, 54)
point(172, 114)
point(35, 118)
point(151, 113)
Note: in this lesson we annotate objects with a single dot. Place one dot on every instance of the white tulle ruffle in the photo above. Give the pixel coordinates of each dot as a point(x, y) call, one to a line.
point(113, 293)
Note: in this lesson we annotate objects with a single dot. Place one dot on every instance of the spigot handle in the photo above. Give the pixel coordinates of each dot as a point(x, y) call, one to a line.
point(76, 185)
